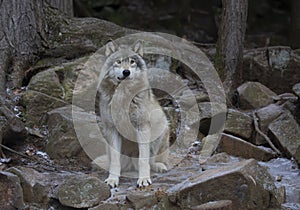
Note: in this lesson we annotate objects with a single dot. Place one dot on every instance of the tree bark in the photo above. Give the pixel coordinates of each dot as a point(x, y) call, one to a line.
point(22, 31)
point(230, 42)
point(21, 24)
point(295, 24)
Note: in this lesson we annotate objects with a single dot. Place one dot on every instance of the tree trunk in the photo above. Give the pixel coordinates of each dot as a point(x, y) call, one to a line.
point(230, 42)
point(23, 31)
point(295, 24)
point(65, 6)
point(21, 23)
point(23, 27)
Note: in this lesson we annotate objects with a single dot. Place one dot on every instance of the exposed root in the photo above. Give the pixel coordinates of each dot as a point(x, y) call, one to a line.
point(13, 151)
point(257, 129)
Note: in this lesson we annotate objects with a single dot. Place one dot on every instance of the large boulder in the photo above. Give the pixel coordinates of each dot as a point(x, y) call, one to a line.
point(70, 43)
point(35, 187)
point(275, 67)
point(40, 188)
point(214, 205)
point(11, 196)
point(53, 88)
point(238, 147)
point(254, 95)
point(247, 184)
point(82, 143)
point(239, 124)
point(286, 134)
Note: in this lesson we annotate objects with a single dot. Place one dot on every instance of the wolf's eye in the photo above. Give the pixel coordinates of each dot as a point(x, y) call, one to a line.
point(118, 62)
point(132, 62)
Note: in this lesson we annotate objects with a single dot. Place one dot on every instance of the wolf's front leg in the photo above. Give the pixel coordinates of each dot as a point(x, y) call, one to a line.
point(144, 160)
point(115, 165)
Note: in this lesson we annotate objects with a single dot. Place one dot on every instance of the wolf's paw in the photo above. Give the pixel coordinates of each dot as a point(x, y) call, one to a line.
point(159, 167)
point(112, 181)
point(144, 182)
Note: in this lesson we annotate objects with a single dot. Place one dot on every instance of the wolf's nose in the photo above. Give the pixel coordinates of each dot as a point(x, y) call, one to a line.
point(126, 73)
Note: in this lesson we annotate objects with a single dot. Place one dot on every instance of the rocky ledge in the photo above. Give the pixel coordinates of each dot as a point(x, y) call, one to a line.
point(252, 164)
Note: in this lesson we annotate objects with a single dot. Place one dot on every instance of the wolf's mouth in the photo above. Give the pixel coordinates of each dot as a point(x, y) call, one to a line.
point(121, 78)
point(124, 78)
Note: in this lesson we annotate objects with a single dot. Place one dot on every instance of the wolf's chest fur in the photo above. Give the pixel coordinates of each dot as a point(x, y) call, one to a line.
point(136, 91)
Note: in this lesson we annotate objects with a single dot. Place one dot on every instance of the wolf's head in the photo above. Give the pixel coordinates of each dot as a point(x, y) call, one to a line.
point(124, 63)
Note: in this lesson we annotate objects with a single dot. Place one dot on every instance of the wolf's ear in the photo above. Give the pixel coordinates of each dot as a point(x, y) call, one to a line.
point(138, 47)
point(110, 48)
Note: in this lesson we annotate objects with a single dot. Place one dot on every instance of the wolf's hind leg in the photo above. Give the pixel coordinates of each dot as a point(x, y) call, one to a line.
point(160, 153)
point(158, 167)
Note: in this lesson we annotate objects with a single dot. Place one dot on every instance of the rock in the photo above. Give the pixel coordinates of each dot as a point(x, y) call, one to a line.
point(275, 67)
point(110, 206)
point(186, 126)
point(42, 188)
point(219, 158)
point(148, 199)
point(63, 141)
point(214, 205)
point(286, 134)
point(189, 98)
point(296, 89)
point(141, 199)
point(265, 116)
point(70, 38)
point(46, 91)
point(247, 184)
point(83, 192)
point(238, 147)
point(289, 171)
point(254, 95)
point(34, 184)
point(185, 119)
point(284, 97)
point(11, 196)
point(83, 32)
point(37, 105)
point(212, 117)
point(239, 124)
point(210, 144)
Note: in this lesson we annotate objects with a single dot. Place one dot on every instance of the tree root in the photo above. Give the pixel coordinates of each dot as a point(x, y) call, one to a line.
point(44, 165)
point(257, 129)
point(13, 151)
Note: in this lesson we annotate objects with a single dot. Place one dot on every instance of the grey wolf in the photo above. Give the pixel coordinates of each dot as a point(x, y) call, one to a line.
point(142, 143)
